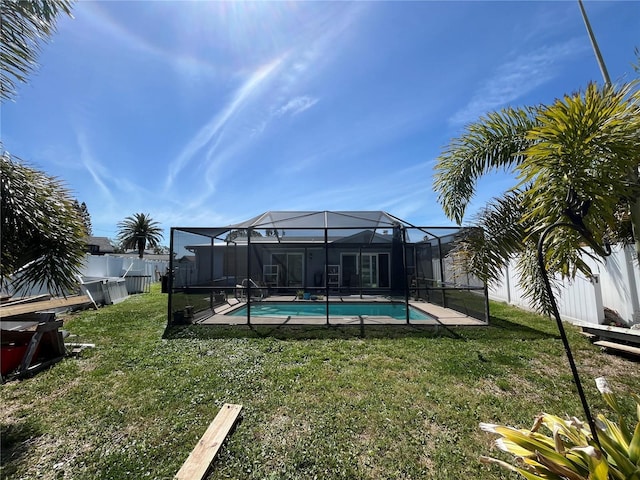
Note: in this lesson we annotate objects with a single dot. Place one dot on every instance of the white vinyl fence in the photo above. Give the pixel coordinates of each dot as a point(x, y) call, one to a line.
point(109, 279)
point(615, 285)
point(108, 266)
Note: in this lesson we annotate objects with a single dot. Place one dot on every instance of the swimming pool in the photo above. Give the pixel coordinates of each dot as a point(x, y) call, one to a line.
point(338, 309)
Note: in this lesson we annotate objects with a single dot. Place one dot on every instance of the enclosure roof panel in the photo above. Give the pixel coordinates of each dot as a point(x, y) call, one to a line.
point(320, 219)
point(296, 225)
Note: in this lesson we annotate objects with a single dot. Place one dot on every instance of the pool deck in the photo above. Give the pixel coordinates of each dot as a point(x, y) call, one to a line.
point(441, 316)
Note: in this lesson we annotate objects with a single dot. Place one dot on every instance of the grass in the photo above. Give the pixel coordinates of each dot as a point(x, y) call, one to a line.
point(323, 403)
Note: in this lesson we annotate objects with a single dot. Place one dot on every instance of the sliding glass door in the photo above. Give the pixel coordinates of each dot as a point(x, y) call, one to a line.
point(291, 268)
point(371, 272)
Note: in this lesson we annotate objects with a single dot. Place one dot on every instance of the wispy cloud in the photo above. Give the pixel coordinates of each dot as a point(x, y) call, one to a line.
point(296, 105)
point(406, 193)
point(515, 79)
point(186, 64)
point(207, 133)
point(267, 95)
point(94, 168)
point(316, 49)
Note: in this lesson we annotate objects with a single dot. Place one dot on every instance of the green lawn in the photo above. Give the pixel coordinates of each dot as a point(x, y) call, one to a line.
point(318, 403)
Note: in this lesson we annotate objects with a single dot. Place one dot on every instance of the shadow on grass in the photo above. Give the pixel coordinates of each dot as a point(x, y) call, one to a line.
point(503, 328)
point(499, 328)
point(14, 439)
point(307, 332)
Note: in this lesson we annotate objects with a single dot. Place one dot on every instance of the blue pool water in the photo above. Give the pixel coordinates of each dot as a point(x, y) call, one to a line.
point(343, 309)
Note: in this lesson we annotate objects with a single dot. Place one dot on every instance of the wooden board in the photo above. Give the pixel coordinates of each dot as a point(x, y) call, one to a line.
point(42, 306)
point(23, 300)
point(618, 346)
point(590, 336)
point(200, 458)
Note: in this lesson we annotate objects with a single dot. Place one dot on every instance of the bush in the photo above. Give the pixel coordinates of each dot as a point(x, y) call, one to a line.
point(568, 451)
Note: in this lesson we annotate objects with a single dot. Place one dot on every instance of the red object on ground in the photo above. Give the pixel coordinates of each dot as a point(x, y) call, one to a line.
point(11, 357)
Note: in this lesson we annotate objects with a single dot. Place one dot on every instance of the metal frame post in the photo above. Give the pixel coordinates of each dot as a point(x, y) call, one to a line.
point(249, 231)
point(170, 279)
point(326, 272)
point(404, 272)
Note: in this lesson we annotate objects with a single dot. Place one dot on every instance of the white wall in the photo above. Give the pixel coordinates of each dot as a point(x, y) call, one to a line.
point(101, 266)
point(108, 266)
point(616, 285)
point(620, 278)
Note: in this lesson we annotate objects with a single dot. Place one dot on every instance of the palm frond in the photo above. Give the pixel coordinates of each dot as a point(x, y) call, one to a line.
point(25, 26)
point(586, 143)
point(495, 141)
point(486, 250)
point(43, 239)
point(139, 231)
point(532, 283)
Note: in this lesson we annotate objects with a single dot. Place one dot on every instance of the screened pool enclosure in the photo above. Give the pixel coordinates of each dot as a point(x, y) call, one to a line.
point(320, 257)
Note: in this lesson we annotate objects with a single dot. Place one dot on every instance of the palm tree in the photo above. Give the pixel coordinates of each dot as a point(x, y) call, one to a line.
point(573, 159)
point(24, 26)
point(139, 231)
point(43, 240)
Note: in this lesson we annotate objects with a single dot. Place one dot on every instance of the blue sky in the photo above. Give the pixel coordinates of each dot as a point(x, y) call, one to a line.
point(209, 113)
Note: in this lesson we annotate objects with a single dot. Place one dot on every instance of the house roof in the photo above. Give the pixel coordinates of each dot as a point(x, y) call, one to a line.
point(103, 244)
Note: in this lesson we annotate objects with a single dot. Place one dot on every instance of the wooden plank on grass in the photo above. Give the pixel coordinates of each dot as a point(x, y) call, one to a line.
point(201, 457)
point(43, 306)
point(590, 336)
point(618, 346)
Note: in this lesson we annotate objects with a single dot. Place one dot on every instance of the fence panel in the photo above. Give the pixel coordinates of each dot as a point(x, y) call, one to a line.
point(615, 286)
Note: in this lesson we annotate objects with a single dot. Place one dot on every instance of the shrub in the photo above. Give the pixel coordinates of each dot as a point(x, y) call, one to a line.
point(568, 451)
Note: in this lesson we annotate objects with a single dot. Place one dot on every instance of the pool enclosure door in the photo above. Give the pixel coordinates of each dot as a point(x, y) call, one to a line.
point(290, 268)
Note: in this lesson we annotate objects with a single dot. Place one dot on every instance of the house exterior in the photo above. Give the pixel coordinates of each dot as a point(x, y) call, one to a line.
point(323, 252)
point(99, 246)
